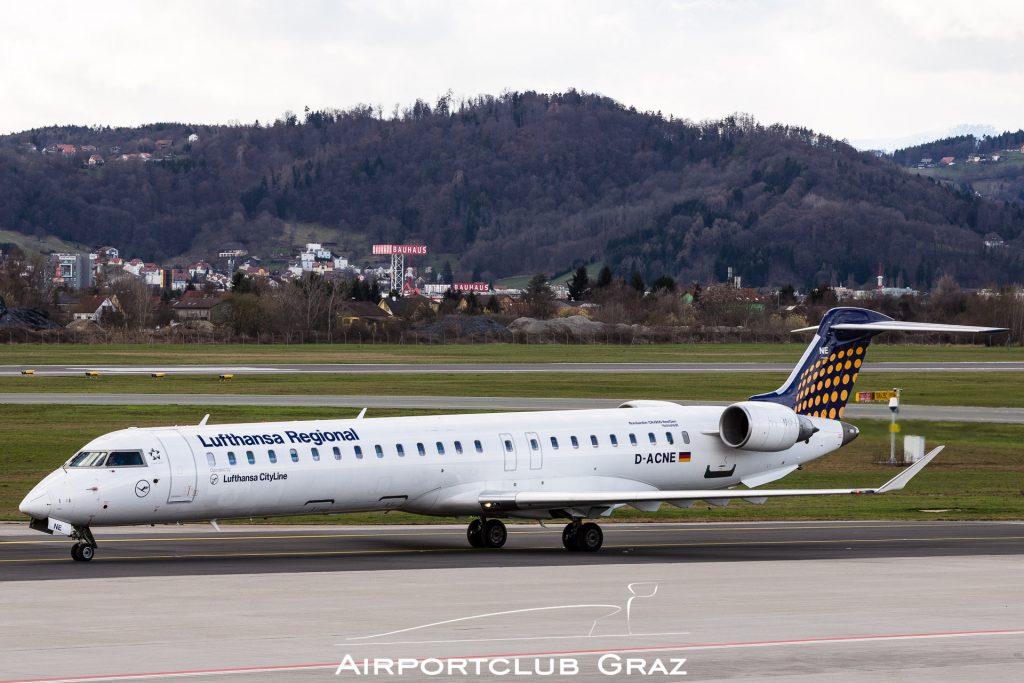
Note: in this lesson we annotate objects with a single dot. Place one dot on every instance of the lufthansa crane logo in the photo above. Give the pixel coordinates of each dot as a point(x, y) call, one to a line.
point(214, 478)
point(142, 489)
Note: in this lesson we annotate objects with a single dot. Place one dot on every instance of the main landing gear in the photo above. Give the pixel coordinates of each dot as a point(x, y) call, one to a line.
point(580, 537)
point(85, 548)
point(487, 533)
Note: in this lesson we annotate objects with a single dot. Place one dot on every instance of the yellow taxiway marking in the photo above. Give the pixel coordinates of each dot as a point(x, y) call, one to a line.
point(392, 551)
point(426, 529)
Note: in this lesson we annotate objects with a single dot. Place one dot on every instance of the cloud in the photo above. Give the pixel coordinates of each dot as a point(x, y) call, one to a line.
point(864, 69)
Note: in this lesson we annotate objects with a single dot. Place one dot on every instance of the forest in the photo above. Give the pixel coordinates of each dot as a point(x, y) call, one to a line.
point(523, 182)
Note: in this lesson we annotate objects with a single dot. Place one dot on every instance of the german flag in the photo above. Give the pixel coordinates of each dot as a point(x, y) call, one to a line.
point(684, 456)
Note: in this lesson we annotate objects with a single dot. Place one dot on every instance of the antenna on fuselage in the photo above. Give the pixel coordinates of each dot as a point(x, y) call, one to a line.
point(361, 413)
point(202, 423)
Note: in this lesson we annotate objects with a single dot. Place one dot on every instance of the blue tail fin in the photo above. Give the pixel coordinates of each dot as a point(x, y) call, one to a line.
point(822, 382)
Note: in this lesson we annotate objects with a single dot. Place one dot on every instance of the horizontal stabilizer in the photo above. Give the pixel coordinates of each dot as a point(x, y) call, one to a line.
point(897, 326)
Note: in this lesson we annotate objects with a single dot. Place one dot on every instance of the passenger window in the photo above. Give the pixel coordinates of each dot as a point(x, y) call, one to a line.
point(211, 460)
point(400, 449)
point(575, 441)
point(686, 437)
point(421, 449)
point(337, 453)
point(632, 439)
point(554, 443)
point(508, 445)
point(478, 446)
point(316, 454)
point(294, 454)
point(650, 435)
point(593, 440)
point(440, 448)
point(251, 457)
point(668, 437)
point(273, 457)
point(379, 451)
point(614, 439)
point(231, 457)
point(458, 447)
point(359, 452)
point(534, 445)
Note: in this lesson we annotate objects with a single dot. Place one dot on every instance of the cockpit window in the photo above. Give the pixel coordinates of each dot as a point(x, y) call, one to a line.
point(107, 459)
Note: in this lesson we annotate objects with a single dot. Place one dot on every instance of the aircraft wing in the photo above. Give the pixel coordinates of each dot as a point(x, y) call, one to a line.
point(532, 500)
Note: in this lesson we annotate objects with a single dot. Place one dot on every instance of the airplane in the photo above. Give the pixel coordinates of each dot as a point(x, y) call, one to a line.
point(575, 465)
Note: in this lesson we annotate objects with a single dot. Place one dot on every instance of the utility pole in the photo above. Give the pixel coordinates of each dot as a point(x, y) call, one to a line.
point(894, 427)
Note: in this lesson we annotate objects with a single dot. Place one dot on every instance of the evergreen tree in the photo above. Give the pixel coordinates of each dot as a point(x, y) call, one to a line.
point(636, 281)
point(539, 295)
point(664, 282)
point(604, 278)
point(579, 284)
point(447, 276)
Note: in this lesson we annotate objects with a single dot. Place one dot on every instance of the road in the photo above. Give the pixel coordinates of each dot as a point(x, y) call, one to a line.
point(472, 368)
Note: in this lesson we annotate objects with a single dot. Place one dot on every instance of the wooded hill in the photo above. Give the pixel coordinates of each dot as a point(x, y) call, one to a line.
point(520, 183)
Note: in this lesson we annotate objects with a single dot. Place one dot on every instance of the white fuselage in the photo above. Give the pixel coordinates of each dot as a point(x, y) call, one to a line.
point(323, 466)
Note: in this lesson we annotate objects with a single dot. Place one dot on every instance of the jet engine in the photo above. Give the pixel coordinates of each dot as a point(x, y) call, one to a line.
point(763, 426)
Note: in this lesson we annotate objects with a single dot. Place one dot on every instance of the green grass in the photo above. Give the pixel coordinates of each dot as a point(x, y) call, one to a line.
point(976, 477)
point(243, 354)
point(32, 244)
point(520, 281)
point(952, 388)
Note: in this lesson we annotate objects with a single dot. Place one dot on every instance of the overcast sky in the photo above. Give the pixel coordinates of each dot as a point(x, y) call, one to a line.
point(856, 69)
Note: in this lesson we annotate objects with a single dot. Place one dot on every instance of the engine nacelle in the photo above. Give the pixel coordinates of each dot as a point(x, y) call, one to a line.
point(763, 426)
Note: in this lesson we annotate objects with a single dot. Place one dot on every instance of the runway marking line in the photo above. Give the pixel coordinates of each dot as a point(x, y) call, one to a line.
point(392, 551)
point(833, 640)
point(236, 536)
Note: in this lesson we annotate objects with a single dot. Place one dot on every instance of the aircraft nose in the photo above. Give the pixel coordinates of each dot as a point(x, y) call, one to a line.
point(36, 504)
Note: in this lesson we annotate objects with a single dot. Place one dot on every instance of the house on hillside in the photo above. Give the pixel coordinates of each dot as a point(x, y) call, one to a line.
point(363, 312)
point(947, 161)
point(197, 305)
point(30, 318)
point(193, 138)
point(67, 150)
point(95, 160)
point(409, 307)
point(94, 307)
point(163, 144)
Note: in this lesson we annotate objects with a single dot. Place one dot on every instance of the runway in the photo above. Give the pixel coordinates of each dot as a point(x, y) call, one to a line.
point(854, 411)
point(198, 549)
point(861, 601)
point(490, 368)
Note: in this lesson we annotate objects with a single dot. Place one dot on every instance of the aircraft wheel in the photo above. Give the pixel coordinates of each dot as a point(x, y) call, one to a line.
point(494, 533)
point(76, 552)
point(589, 538)
point(86, 552)
point(475, 533)
point(569, 536)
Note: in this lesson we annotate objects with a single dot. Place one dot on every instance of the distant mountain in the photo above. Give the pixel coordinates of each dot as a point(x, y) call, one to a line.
point(525, 182)
point(889, 144)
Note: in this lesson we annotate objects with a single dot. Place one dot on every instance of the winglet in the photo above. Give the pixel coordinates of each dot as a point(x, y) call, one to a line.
point(202, 423)
point(901, 479)
point(361, 414)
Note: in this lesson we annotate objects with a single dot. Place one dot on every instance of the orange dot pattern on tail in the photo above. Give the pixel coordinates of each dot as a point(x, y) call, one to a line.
point(826, 384)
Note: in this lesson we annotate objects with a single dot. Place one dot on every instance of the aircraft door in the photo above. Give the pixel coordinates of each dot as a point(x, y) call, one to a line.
point(508, 447)
point(536, 450)
point(182, 462)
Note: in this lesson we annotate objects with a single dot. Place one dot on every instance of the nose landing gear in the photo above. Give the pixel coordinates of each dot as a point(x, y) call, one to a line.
point(486, 533)
point(85, 548)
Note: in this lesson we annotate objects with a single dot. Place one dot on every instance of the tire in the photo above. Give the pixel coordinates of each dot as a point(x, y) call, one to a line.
point(494, 533)
point(590, 538)
point(569, 536)
point(475, 533)
point(86, 552)
point(75, 552)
